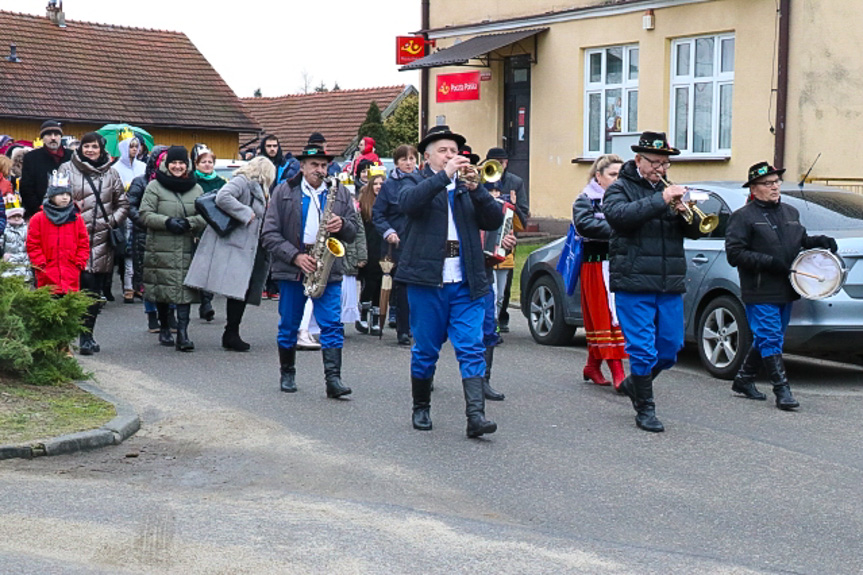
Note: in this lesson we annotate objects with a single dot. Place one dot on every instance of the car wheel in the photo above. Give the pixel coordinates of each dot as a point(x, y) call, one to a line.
point(723, 337)
point(546, 314)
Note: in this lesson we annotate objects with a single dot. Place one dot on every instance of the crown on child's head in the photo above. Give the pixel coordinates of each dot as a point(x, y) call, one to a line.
point(125, 134)
point(59, 180)
point(12, 201)
point(38, 143)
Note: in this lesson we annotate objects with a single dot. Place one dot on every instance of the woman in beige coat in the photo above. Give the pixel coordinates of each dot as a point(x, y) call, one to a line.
point(97, 190)
point(235, 265)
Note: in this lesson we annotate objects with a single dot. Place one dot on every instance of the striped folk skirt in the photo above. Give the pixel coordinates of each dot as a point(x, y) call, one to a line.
point(604, 338)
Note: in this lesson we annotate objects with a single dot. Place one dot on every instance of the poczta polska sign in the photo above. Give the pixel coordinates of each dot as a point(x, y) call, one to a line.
point(458, 87)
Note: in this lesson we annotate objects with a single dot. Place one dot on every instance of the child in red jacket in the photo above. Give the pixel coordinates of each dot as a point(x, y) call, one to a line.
point(57, 240)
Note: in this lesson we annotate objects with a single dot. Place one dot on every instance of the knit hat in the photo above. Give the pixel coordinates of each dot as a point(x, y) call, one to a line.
point(177, 154)
point(58, 183)
point(50, 126)
point(317, 139)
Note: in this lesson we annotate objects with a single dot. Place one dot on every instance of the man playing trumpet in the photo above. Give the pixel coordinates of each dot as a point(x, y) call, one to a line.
point(648, 267)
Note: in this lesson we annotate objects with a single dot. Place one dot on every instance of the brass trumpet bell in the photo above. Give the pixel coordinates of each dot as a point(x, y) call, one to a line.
point(706, 222)
point(489, 171)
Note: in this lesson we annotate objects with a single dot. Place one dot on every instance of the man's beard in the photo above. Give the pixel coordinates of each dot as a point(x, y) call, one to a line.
point(52, 145)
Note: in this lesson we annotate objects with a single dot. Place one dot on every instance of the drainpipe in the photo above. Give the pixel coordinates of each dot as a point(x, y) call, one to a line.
point(424, 73)
point(782, 83)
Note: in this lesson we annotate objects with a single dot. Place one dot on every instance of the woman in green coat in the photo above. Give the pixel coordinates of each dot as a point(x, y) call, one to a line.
point(173, 226)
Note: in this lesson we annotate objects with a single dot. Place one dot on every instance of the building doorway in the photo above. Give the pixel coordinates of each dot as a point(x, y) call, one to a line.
point(516, 116)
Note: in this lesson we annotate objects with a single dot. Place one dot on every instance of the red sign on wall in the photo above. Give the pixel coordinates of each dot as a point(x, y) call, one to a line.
point(458, 87)
point(408, 49)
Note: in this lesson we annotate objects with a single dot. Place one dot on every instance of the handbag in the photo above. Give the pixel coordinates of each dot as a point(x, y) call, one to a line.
point(569, 263)
point(222, 223)
point(117, 236)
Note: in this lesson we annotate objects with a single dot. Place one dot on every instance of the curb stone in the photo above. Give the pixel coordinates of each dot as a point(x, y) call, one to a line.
point(124, 425)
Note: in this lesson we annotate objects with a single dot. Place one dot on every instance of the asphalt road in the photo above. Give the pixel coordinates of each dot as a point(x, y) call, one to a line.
point(228, 475)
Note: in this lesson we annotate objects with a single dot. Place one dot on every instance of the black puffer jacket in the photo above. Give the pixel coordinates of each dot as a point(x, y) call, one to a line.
point(761, 241)
point(646, 248)
point(423, 254)
point(591, 225)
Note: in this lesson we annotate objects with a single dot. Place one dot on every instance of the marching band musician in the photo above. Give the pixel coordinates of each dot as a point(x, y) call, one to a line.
point(761, 241)
point(443, 264)
point(291, 227)
point(648, 268)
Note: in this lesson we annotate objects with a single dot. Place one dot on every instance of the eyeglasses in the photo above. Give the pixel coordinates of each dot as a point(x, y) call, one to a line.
point(770, 183)
point(657, 163)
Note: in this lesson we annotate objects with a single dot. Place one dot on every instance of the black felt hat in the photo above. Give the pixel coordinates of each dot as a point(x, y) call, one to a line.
point(440, 133)
point(467, 152)
point(317, 139)
point(314, 151)
point(760, 170)
point(497, 154)
point(654, 143)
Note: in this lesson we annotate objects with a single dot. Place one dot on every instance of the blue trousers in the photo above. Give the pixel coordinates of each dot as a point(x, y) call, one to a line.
point(438, 312)
point(327, 310)
point(490, 335)
point(768, 322)
point(652, 325)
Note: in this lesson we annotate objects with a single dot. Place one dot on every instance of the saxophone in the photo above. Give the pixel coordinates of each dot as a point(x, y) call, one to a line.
point(326, 249)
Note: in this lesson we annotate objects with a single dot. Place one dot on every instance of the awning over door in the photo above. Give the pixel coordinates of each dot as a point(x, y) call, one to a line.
point(471, 49)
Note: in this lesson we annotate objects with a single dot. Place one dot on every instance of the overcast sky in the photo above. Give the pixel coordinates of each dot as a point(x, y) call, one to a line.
point(268, 44)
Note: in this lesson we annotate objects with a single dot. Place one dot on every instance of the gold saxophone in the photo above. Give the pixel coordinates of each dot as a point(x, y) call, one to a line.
point(326, 249)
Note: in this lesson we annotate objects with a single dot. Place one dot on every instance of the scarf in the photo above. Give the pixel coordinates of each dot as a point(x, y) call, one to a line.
point(202, 176)
point(594, 191)
point(175, 184)
point(57, 155)
point(98, 162)
point(59, 216)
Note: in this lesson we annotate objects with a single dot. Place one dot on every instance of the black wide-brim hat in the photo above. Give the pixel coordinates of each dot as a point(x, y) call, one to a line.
point(467, 152)
point(440, 133)
point(654, 143)
point(759, 170)
point(312, 151)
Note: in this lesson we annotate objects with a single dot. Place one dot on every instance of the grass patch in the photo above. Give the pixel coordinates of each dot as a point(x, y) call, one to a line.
point(521, 253)
point(34, 412)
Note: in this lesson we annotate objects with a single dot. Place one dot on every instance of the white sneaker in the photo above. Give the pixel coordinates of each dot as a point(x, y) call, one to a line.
point(306, 342)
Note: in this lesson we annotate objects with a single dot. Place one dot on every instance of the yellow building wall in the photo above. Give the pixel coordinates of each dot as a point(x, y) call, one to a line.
point(457, 12)
point(557, 101)
point(825, 92)
point(224, 144)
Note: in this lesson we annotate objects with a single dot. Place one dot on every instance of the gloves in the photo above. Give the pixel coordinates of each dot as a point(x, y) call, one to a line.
point(777, 266)
point(828, 243)
point(178, 226)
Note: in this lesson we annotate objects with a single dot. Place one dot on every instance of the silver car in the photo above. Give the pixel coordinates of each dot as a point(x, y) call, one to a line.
point(714, 313)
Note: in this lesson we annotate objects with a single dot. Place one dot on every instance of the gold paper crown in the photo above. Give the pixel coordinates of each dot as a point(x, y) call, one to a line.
point(376, 171)
point(12, 201)
point(37, 143)
point(125, 134)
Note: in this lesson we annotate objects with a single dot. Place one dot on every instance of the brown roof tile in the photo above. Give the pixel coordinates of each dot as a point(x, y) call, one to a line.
point(90, 72)
point(337, 115)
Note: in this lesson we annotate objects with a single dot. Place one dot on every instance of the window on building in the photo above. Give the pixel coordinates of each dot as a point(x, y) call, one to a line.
point(611, 96)
point(702, 87)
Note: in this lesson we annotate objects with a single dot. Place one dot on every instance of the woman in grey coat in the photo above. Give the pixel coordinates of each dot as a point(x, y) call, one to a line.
point(234, 265)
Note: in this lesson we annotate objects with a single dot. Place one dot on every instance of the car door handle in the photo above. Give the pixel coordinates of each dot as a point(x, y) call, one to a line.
point(700, 259)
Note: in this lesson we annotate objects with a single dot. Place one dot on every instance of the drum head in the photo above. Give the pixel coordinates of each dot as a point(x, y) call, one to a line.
point(827, 268)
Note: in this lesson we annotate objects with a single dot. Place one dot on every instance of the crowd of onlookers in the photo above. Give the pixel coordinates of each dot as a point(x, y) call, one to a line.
point(75, 214)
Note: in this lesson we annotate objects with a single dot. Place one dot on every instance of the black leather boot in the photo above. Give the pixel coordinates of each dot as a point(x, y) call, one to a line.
point(421, 391)
point(744, 381)
point(362, 324)
point(490, 393)
point(333, 372)
point(85, 344)
point(231, 338)
point(287, 368)
point(645, 407)
point(165, 337)
point(183, 341)
point(205, 310)
point(776, 371)
point(375, 321)
point(474, 400)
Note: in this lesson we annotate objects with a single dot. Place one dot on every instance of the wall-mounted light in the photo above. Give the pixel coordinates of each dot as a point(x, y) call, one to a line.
point(648, 21)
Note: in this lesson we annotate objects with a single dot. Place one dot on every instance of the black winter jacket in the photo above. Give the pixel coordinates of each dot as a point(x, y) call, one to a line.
point(37, 167)
point(423, 253)
point(646, 248)
point(761, 241)
point(386, 214)
point(591, 225)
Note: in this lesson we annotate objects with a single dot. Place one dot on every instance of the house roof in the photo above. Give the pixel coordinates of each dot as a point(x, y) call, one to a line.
point(337, 115)
point(88, 72)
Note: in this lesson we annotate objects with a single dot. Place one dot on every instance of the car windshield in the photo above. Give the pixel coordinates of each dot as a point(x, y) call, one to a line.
point(827, 210)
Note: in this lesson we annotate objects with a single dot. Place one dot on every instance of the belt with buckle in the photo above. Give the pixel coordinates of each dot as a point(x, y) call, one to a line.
point(451, 249)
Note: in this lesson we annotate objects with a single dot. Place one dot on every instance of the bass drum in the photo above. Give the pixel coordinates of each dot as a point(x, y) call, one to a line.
point(817, 274)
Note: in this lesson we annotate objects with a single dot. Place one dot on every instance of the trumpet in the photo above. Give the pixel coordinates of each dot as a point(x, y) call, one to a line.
point(488, 171)
point(706, 222)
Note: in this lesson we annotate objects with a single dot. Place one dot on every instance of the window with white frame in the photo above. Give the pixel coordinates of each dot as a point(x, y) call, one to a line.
point(702, 88)
point(611, 96)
